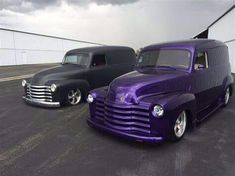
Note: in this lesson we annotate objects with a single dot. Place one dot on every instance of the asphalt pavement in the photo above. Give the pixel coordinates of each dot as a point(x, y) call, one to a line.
point(58, 142)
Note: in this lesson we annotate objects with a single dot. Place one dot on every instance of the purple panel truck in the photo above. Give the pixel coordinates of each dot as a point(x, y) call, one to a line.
point(174, 86)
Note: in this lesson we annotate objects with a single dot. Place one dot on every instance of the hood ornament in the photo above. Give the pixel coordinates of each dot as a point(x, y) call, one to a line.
point(122, 99)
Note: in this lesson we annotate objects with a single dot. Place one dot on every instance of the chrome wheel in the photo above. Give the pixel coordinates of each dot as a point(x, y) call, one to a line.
point(227, 96)
point(74, 96)
point(180, 125)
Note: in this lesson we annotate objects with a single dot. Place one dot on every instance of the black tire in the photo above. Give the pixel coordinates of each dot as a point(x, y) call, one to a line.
point(74, 97)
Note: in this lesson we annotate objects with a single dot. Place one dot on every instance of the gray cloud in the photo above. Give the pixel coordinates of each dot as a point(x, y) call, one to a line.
point(30, 5)
point(114, 2)
point(101, 2)
point(154, 20)
point(25, 5)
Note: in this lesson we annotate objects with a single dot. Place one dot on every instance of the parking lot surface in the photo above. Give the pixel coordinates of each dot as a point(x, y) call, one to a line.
point(57, 142)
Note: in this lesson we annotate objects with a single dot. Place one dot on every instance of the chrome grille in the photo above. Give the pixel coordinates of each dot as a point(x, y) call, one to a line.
point(130, 118)
point(39, 93)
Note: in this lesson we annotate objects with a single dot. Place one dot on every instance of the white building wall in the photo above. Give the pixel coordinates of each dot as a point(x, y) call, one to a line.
point(18, 48)
point(224, 30)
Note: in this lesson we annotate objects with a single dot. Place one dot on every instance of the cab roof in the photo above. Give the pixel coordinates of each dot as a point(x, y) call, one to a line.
point(194, 43)
point(98, 49)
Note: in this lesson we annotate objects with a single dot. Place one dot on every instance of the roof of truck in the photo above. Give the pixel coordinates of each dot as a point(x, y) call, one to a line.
point(98, 49)
point(225, 13)
point(195, 43)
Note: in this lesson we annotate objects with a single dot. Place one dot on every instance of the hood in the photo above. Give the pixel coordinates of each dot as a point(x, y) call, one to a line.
point(132, 86)
point(57, 73)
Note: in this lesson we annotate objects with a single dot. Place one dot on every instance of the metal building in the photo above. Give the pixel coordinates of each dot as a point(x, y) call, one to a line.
point(18, 47)
point(223, 29)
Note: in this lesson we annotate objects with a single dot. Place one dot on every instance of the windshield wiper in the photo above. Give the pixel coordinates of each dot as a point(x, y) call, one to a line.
point(166, 66)
point(67, 63)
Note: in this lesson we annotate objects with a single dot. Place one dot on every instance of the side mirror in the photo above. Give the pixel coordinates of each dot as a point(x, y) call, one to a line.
point(199, 67)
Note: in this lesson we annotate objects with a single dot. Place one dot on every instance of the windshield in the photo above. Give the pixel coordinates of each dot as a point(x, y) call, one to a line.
point(169, 58)
point(78, 59)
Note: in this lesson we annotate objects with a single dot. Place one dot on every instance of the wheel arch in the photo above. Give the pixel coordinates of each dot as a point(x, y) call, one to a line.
point(190, 121)
point(65, 85)
point(228, 82)
point(231, 88)
point(175, 103)
point(184, 102)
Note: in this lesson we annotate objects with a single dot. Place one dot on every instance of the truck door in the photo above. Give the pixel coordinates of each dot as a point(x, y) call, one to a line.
point(202, 81)
point(98, 71)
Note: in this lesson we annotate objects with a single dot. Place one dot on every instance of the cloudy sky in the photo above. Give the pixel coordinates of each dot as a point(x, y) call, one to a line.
point(134, 23)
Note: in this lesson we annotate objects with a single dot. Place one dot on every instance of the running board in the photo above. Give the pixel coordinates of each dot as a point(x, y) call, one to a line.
point(202, 115)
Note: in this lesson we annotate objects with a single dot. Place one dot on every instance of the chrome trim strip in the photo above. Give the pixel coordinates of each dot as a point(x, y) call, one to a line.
point(33, 86)
point(41, 96)
point(39, 90)
point(39, 93)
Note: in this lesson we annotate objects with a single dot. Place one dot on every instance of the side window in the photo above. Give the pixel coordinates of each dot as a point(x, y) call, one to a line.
point(201, 61)
point(98, 60)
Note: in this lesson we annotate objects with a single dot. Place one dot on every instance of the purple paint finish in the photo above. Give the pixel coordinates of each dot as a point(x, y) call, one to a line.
point(125, 107)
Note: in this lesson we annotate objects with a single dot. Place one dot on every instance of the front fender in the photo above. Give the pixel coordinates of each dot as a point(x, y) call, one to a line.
point(170, 101)
point(65, 85)
point(184, 101)
point(173, 104)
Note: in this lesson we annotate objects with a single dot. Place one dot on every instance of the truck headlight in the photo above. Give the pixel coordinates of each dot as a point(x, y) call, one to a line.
point(24, 82)
point(90, 98)
point(157, 111)
point(53, 87)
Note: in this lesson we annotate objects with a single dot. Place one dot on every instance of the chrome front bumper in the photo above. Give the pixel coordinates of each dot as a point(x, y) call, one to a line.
point(123, 134)
point(41, 103)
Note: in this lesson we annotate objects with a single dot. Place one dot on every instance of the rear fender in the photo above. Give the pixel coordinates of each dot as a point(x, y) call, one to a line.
point(228, 81)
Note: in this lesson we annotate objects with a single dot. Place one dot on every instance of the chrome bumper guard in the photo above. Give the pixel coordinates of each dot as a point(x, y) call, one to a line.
point(41, 103)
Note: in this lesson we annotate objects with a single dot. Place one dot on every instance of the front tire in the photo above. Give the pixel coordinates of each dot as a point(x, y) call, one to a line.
point(179, 127)
point(74, 97)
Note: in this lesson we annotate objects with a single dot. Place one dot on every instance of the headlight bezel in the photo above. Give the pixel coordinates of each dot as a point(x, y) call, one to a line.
point(23, 83)
point(53, 87)
point(90, 98)
point(157, 111)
